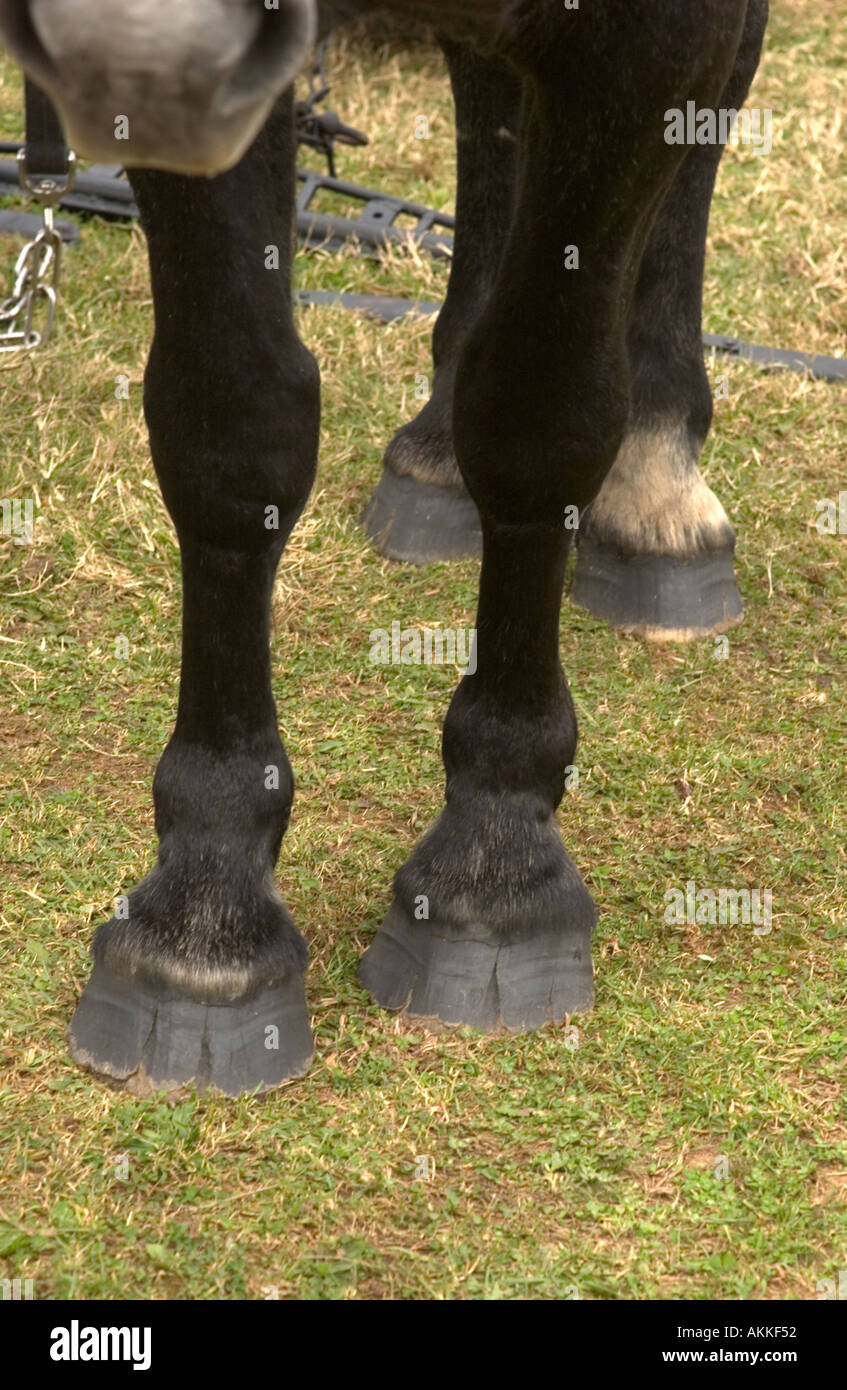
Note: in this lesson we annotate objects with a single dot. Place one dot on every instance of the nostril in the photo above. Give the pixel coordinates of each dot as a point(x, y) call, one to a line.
point(198, 78)
point(275, 56)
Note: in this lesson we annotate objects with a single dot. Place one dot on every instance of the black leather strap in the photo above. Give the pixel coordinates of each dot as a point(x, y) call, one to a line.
point(46, 151)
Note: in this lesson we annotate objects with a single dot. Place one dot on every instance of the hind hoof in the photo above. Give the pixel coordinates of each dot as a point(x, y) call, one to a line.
point(421, 523)
point(663, 598)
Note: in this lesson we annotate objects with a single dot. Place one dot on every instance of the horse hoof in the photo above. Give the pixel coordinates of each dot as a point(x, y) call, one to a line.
point(421, 523)
point(664, 598)
point(449, 976)
point(142, 1035)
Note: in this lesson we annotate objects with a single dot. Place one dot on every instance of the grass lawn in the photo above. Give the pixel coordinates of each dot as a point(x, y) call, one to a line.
point(684, 1140)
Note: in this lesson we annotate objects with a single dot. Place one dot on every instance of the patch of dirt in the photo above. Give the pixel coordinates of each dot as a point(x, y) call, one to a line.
point(829, 1185)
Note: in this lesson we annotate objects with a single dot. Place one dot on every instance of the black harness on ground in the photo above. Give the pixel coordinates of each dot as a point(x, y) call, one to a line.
point(322, 130)
point(45, 168)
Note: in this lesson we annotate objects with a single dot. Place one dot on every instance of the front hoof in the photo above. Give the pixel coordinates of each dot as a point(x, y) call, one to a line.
point(664, 598)
point(462, 976)
point(420, 523)
point(143, 1035)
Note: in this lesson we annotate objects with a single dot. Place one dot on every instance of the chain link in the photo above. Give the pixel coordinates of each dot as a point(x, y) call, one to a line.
point(27, 314)
point(26, 317)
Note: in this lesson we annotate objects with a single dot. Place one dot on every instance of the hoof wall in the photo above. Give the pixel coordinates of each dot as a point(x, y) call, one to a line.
point(420, 523)
point(143, 1036)
point(493, 985)
point(660, 597)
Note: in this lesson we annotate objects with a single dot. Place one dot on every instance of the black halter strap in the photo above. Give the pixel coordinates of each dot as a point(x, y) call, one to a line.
point(46, 152)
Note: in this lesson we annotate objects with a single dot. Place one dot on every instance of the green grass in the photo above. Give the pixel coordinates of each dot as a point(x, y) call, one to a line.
point(582, 1163)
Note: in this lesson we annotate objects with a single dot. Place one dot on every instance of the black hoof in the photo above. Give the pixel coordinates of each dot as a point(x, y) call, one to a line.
point(143, 1035)
point(420, 523)
point(492, 984)
point(662, 597)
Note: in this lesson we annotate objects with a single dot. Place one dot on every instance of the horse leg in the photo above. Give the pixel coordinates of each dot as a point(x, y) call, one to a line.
point(490, 924)
point(656, 549)
point(200, 976)
point(421, 510)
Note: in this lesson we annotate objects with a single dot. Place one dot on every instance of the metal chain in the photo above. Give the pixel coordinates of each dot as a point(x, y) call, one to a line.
point(27, 314)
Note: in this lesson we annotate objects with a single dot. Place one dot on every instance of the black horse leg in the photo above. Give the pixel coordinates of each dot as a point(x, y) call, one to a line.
point(200, 976)
point(491, 923)
point(420, 510)
point(656, 549)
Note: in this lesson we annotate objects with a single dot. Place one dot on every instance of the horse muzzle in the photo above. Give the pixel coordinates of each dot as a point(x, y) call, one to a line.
point(182, 85)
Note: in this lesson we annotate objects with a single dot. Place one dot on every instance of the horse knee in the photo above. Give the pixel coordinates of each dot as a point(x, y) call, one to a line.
point(537, 425)
point(234, 444)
